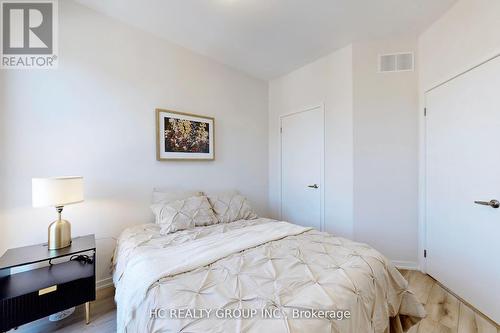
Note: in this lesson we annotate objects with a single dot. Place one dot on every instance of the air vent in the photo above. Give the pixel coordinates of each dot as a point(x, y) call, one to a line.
point(397, 62)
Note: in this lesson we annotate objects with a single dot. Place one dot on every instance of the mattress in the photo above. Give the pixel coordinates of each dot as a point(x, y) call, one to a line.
point(256, 276)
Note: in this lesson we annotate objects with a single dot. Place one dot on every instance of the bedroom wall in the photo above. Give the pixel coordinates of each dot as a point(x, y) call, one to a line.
point(2, 152)
point(371, 164)
point(463, 37)
point(386, 152)
point(94, 116)
point(329, 81)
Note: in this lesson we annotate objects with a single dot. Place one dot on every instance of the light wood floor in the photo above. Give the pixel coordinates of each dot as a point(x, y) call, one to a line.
point(445, 313)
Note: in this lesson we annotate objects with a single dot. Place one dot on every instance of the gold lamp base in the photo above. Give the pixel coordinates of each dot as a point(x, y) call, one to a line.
point(59, 233)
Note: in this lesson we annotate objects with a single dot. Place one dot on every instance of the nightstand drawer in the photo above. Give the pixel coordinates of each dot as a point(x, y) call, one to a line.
point(33, 294)
point(28, 307)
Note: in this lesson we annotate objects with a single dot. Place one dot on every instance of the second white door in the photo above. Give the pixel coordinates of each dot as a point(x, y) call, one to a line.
point(463, 186)
point(302, 148)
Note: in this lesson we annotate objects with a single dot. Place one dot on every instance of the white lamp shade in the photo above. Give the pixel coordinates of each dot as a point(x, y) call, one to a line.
point(57, 191)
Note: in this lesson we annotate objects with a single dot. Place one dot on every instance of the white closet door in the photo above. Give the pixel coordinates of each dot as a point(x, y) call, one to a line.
point(463, 166)
point(302, 142)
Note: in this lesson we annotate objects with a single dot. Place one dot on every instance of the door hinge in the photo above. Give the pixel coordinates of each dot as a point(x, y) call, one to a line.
point(425, 112)
point(425, 253)
point(281, 129)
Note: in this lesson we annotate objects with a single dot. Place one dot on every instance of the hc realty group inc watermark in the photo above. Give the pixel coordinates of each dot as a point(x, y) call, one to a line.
point(29, 34)
point(249, 313)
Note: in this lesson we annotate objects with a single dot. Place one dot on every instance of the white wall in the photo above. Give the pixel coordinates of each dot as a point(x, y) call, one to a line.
point(386, 152)
point(94, 116)
point(2, 152)
point(329, 81)
point(371, 167)
point(463, 37)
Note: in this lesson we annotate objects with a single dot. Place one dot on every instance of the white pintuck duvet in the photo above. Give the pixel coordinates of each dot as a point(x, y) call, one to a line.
point(255, 265)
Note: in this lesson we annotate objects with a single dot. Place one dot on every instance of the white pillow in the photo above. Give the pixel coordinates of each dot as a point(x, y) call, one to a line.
point(165, 195)
point(231, 206)
point(183, 214)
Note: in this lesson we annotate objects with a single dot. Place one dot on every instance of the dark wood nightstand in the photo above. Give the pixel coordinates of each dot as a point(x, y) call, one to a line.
point(37, 293)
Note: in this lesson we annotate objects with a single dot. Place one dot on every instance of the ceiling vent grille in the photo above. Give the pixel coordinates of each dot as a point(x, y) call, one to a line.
point(397, 62)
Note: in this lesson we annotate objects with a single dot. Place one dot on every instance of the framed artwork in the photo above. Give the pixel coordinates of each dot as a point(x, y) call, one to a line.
point(184, 136)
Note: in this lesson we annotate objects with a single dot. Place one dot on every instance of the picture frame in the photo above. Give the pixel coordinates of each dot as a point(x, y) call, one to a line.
point(184, 136)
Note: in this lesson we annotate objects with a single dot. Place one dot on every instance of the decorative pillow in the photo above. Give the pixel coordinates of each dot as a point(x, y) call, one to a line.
point(184, 214)
point(231, 206)
point(166, 195)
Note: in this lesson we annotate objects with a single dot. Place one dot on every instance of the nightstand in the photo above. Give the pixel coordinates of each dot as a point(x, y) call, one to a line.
point(37, 293)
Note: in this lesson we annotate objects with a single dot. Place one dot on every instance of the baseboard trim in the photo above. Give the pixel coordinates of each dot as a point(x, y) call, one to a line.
point(408, 265)
point(104, 283)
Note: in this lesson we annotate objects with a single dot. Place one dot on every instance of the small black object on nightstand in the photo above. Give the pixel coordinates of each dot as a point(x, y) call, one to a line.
point(37, 293)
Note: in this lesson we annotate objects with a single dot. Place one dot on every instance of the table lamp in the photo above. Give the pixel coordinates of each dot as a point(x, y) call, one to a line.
point(57, 192)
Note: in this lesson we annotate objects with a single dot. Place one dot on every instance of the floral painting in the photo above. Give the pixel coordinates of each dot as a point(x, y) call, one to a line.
point(184, 136)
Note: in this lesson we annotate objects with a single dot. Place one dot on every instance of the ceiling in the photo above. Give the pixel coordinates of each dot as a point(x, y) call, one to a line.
point(269, 38)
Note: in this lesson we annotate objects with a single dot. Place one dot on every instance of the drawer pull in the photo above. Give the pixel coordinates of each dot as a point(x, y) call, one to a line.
point(47, 290)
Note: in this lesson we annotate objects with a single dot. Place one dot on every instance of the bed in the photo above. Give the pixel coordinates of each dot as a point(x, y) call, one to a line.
point(257, 275)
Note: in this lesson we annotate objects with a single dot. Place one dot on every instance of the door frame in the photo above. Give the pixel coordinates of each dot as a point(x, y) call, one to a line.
point(422, 208)
point(320, 106)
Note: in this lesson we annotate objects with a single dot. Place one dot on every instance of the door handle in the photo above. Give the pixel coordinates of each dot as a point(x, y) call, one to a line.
point(313, 186)
point(492, 203)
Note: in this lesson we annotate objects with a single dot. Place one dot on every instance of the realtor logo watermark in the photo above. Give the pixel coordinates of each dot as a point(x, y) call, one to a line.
point(29, 34)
